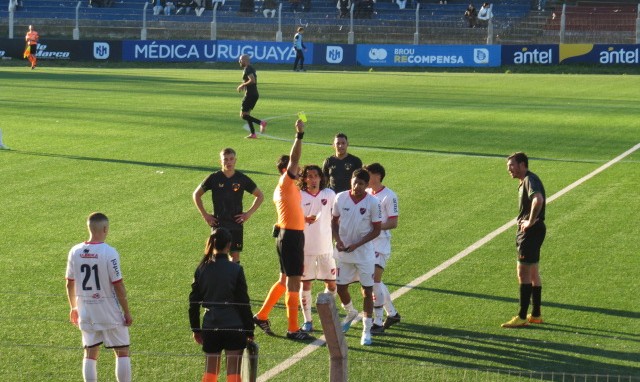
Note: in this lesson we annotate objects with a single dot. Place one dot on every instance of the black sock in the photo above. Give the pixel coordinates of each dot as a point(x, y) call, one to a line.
point(525, 298)
point(250, 120)
point(536, 300)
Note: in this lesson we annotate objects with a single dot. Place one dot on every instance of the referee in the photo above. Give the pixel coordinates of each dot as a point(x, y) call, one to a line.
point(289, 231)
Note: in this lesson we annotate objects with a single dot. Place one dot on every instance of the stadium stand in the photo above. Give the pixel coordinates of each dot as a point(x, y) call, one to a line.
point(515, 21)
point(596, 22)
point(439, 23)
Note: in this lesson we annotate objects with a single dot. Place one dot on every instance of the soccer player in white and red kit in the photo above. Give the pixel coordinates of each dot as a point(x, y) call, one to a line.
point(389, 207)
point(356, 222)
point(319, 264)
point(98, 299)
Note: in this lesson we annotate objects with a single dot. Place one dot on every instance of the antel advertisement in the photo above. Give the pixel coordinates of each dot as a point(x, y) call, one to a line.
point(595, 54)
point(429, 55)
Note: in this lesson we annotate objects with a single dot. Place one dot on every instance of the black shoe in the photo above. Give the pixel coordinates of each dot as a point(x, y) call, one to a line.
point(391, 320)
point(264, 325)
point(299, 335)
point(377, 329)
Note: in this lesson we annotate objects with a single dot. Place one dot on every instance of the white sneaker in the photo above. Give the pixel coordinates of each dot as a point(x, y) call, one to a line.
point(346, 323)
point(365, 340)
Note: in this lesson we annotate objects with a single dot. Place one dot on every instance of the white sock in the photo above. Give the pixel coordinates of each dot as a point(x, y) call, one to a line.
point(89, 370)
point(349, 307)
point(388, 304)
point(123, 369)
point(378, 315)
point(305, 304)
point(367, 322)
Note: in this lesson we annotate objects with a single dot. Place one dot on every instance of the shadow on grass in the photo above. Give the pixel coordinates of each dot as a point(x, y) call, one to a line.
point(570, 307)
point(126, 161)
point(458, 348)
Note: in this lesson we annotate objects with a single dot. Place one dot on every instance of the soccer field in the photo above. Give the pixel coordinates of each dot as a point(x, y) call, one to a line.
point(135, 143)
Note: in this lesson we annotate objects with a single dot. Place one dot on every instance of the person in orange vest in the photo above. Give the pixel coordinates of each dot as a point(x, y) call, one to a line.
point(32, 41)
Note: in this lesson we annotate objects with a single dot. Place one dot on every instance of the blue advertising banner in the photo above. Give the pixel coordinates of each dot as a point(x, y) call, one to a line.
point(334, 54)
point(169, 50)
point(269, 52)
point(613, 54)
point(530, 55)
point(429, 55)
point(207, 51)
point(64, 50)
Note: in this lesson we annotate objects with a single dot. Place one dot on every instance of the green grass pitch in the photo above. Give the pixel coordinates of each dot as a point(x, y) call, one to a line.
point(134, 143)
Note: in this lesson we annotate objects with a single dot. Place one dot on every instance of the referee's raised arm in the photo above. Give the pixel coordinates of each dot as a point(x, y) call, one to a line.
point(296, 149)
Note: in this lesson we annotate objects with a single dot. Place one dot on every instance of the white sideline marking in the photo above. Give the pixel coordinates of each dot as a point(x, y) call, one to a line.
point(402, 290)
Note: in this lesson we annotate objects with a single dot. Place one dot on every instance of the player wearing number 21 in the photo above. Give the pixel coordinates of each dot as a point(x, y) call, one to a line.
point(98, 299)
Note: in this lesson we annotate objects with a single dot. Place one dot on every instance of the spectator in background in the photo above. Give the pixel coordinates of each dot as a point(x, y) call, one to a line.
point(15, 5)
point(343, 6)
point(471, 15)
point(185, 6)
point(402, 4)
point(541, 4)
point(247, 6)
point(295, 5)
point(363, 9)
point(160, 6)
point(485, 13)
point(269, 8)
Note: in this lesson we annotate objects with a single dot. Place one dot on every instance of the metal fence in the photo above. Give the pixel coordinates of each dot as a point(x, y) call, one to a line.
point(384, 21)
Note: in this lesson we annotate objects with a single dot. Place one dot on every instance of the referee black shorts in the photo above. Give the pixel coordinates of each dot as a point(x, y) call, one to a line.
point(249, 102)
point(528, 243)
point(290, 246)
point(214, 341)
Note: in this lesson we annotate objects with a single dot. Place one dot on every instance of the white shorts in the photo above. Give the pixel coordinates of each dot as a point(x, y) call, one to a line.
point(347, 273)
point(381, 259)
point(111, 338)
point(319, 267)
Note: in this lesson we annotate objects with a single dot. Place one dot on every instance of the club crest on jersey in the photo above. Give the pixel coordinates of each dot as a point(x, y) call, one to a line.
point(348, 166)
point(235, 186)
point(324, 202)
point(362, 211)
point(220, 185)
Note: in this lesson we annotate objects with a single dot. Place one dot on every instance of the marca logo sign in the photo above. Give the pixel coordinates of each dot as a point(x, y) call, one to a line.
point(335, 54)
point(481, 56)
point(378, 54)
point(101, 50)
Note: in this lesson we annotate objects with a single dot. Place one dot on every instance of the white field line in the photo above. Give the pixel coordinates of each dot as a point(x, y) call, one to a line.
point(401, 291)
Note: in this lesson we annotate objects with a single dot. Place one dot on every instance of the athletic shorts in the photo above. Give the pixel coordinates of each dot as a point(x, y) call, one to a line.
point(528, 243)
point(319, 267)
point(117, 337)
point(237, 238)
point(381, 259)
point(33, 49)
point(214, 341)
point(347, 273)
point(290, 247)
point(249, 102)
